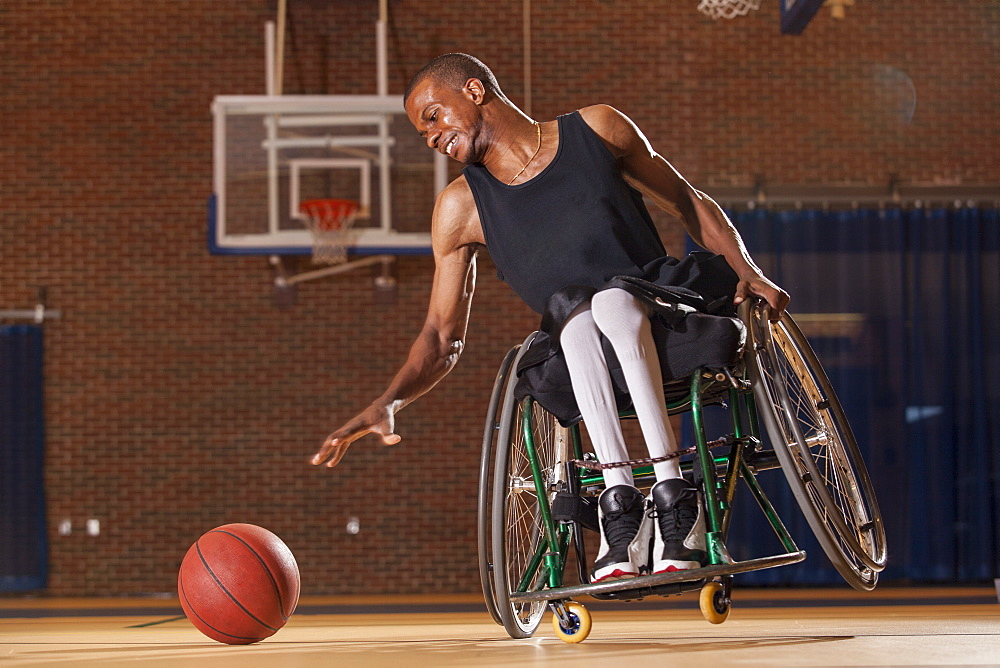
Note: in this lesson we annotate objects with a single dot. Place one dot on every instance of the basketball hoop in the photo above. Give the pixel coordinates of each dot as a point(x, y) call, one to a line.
point(727, 9)
point(329, 221)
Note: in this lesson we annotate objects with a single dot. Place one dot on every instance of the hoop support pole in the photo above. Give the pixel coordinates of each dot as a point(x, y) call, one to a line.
point(279, 49)
point(336, 269)
point(276, 87)
point(269, 57)
point(382, 50)
point(382, 88)
point(526, 20)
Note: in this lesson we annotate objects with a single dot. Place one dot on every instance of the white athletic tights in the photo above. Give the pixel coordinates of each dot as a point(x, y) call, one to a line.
point(624, 320)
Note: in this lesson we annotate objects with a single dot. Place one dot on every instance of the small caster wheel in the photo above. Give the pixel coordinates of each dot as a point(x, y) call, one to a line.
point(714, 603)
point(577, 627)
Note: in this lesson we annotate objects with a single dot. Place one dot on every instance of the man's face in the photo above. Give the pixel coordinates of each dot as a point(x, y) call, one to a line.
point(449, 120)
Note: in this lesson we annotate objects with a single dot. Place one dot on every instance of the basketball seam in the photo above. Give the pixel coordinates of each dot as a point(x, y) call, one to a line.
point(190, 607)
point(267, 569)
point(223, 588)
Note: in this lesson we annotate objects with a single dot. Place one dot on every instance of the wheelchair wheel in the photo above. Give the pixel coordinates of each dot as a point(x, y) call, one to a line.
point(714, 603)
point(816, 447)
point(484, 516)
point(577, 625)
point(516, 522)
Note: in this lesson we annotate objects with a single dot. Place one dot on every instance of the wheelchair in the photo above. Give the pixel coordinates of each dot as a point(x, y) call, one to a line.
point(538, 489)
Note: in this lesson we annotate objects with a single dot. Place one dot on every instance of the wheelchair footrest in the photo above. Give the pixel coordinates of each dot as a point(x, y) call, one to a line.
point(637, 594)
point(652, 581)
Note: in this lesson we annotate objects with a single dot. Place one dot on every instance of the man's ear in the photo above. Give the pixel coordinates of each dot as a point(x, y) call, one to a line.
point(475, 91)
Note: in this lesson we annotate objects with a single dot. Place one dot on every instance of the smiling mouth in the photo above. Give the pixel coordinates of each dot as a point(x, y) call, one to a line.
point(451, 145)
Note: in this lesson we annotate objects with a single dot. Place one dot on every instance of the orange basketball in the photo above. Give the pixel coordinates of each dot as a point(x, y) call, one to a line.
point(238, 584)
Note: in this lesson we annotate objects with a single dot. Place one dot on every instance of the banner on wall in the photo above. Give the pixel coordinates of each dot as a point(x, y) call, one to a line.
point(23, 547)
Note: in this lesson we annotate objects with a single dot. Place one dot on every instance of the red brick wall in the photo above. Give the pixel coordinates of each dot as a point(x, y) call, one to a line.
point(179, 397)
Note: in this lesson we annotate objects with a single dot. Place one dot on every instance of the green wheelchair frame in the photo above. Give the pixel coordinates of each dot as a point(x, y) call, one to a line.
point(528, 466)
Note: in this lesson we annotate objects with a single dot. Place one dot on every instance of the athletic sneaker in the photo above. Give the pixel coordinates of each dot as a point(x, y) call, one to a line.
point(680, 526)
point(624, 535)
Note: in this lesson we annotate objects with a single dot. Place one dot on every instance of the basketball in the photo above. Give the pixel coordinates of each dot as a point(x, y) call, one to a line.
point(238, 584)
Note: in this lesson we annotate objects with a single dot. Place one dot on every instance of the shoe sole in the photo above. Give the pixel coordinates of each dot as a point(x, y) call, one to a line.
point(616, 574)
point(676, 566)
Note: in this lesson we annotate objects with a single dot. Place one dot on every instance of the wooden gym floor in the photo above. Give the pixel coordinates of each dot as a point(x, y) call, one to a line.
point(767, 627)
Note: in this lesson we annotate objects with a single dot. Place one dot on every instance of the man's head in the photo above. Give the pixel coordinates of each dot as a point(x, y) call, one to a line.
point(445, 101)
point(454, 70)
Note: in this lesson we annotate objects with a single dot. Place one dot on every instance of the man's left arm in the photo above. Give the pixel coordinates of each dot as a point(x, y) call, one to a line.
point(703, 218)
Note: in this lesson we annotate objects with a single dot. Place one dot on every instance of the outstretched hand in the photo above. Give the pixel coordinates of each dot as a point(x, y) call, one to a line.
point(756, 285)
point(373, 420)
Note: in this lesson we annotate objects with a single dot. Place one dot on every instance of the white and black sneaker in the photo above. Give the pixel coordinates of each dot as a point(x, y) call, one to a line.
point(624, 534)
point(680, 527)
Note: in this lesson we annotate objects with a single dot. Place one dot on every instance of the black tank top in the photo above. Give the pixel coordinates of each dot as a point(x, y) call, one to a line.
point(576, 223)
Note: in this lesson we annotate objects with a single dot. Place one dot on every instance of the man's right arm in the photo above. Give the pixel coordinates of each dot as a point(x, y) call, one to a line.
point(455, 233)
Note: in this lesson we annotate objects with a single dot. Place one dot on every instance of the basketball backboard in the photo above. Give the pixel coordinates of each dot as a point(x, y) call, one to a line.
point(272, 152)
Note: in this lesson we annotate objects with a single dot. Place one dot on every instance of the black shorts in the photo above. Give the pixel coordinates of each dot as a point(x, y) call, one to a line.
point(691, 309)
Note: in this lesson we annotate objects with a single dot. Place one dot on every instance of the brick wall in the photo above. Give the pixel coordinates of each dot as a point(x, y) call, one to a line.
point(179, 397)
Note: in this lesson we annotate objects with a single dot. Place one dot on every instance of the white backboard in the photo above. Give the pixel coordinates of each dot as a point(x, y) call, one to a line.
point(273, 151)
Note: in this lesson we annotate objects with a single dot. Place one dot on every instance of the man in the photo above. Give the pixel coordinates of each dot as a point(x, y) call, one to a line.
point(559, 206)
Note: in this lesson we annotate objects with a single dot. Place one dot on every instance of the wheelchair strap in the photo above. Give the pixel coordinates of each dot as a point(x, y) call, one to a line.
point(569, 507)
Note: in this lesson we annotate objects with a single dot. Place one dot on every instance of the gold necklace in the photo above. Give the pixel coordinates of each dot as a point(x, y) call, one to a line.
point(538, 127)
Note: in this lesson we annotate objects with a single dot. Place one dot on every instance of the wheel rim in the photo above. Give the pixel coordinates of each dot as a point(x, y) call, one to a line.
point(719, 603)
point(486, 464)
point(516, 523)
point(574, 624)
point(830, 467)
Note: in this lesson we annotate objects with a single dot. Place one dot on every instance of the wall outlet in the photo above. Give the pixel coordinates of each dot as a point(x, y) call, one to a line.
point(93, 527)
point(65, 527)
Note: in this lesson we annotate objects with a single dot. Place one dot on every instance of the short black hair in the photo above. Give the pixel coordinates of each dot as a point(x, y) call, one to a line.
point(455, 69)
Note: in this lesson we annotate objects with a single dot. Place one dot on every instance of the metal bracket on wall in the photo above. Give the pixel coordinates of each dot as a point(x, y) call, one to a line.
point(891, 194)
point(39, 314)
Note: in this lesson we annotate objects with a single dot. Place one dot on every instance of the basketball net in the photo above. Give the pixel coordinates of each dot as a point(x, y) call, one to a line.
point(329, 221)
point(727, 9)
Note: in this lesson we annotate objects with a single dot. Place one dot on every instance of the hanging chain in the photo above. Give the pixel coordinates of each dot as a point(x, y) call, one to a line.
point(728, 439)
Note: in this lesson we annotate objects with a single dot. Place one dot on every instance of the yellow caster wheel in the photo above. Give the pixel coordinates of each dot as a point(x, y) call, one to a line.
point(578, 626)
point(714, 603)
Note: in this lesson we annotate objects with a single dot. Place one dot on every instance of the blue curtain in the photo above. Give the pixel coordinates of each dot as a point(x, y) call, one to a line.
point(916, 371)
point(23, 544)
